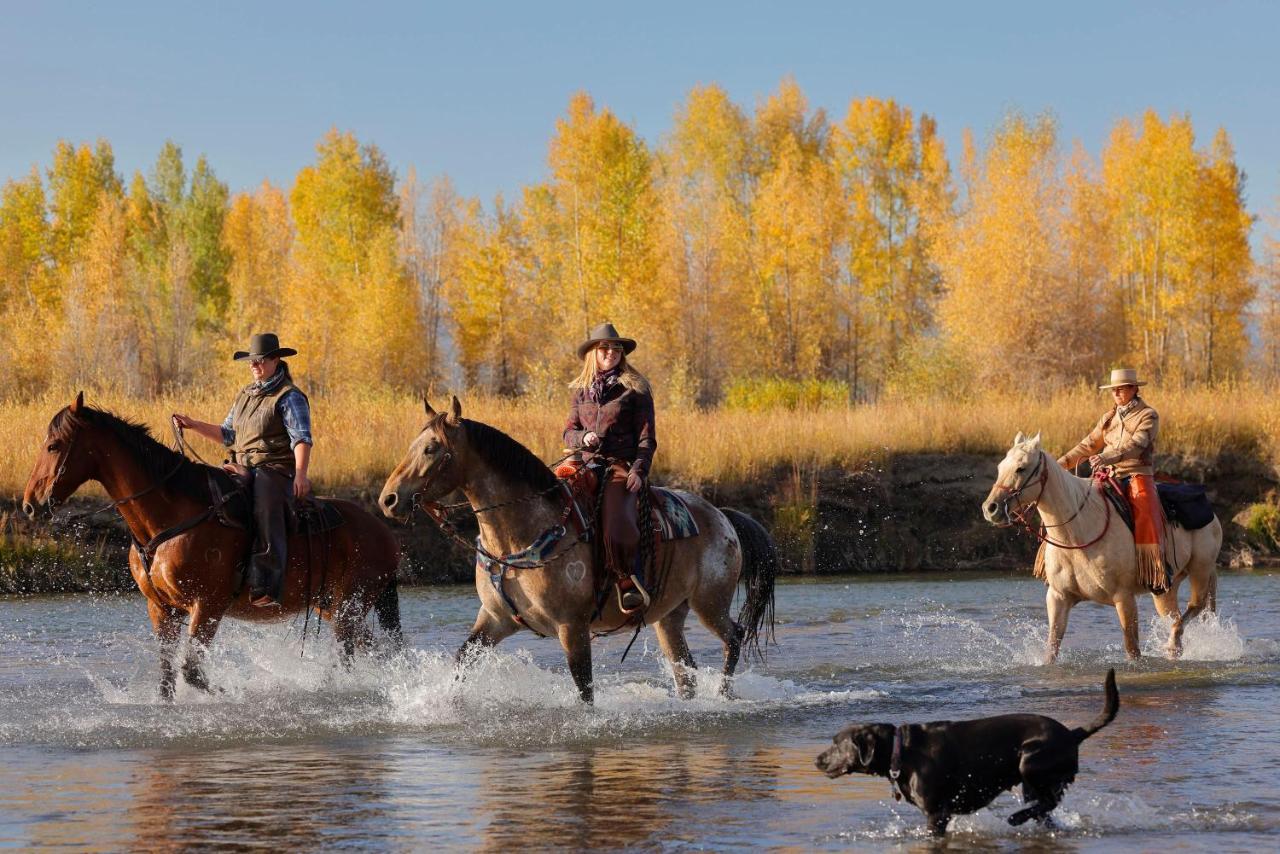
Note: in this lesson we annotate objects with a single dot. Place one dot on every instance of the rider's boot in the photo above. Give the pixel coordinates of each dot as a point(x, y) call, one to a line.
point(632, 595)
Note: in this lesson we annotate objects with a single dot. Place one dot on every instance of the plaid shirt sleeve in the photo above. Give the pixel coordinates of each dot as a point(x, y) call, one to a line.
point(296, 413)
point(228, 433)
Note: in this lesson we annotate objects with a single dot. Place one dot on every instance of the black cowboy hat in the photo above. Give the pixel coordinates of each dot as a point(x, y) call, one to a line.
point(605, 332)
point(264, 345)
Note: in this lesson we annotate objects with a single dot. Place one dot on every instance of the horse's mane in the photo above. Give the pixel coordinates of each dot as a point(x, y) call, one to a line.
point(158, 460)
point(508, 456)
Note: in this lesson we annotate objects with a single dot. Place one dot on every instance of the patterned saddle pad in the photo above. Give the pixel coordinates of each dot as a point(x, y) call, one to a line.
point(671, 513)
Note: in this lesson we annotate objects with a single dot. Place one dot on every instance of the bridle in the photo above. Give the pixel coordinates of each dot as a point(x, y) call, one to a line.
point(431, 476)
point(52, 502)
point(1019, 515)
point(439, 514)
point(147, 550)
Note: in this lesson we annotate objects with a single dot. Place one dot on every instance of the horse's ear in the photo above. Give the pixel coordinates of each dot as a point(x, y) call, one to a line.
point(455, 413)
point(1017, 440)
point(1035, 440)
point(426, 404)
point(78, 404)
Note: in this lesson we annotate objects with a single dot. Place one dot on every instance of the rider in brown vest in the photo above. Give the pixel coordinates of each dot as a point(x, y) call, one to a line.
point(611, 419)
point(269, 433)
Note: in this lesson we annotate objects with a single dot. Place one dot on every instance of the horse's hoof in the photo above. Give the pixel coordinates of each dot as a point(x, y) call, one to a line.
point(197, 680)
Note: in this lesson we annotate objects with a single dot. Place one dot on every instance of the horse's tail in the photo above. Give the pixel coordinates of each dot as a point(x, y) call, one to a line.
point(387, 608)
point(1110, 706)
point(759, 572)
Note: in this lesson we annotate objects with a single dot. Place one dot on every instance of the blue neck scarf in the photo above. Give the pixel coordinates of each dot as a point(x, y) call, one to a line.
point(272, 383)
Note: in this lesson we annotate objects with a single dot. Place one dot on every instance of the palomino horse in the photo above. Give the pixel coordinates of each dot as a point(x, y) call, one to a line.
point(1089, 553)
point(187, 550)
point(519, 502)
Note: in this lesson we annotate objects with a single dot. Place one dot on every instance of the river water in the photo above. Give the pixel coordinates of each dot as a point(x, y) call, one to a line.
point(397, 755)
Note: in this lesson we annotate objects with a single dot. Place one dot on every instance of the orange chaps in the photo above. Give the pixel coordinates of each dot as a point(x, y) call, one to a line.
point(1148, 532)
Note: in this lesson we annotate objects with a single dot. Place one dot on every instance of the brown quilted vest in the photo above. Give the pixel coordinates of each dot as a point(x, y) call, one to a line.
point(261, 437)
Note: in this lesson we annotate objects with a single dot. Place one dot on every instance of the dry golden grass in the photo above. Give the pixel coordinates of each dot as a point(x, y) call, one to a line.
point(360, 436)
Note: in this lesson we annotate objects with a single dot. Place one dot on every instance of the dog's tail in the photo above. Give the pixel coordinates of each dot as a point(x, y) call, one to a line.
point(1109, 709)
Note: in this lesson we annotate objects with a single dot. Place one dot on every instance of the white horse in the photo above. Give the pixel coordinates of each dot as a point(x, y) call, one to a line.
point(1089, 553)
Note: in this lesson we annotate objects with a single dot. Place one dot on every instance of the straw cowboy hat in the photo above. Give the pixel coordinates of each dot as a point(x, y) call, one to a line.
point(605, 332)
point(1123, 376)
point(264, 345)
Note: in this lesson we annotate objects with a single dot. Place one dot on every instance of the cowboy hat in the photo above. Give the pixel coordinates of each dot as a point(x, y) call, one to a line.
point(1123, 376)
point(264, 345)
point(605, 332)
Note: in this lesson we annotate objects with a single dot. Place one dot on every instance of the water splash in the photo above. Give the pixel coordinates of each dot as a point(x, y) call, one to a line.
point(1208, 637)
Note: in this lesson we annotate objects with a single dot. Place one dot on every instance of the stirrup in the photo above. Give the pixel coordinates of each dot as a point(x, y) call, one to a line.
point(632, 597)
point(265, 600)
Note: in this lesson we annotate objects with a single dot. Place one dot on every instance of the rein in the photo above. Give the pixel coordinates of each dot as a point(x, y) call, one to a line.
point(1019, 515)
point(110, 505)
point(439, 514)
point(148, 549)
point(523, 559)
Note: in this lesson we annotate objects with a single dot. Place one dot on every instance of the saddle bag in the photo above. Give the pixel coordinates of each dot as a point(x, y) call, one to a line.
point(1185, 504)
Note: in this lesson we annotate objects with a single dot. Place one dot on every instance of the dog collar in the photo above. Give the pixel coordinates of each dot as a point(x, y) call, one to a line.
point(895, 762)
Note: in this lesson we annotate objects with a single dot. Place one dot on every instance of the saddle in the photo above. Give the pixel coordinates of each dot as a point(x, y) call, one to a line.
point(311, 515)
point(672, 519)
point(1185, 504)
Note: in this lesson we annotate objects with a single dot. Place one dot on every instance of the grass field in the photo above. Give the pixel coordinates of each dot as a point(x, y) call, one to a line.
point(361, 436)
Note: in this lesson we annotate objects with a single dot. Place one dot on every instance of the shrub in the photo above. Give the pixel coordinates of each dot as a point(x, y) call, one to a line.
point(762, 395)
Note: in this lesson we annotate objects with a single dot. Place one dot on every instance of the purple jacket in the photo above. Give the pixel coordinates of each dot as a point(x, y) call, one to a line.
point(623, 419)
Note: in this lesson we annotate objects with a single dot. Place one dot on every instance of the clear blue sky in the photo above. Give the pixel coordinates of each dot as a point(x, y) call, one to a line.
point(474, 89)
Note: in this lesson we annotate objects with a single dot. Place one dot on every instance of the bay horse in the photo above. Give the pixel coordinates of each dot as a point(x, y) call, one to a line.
point(188, 550)
point(1089, 553)
point(518, 500)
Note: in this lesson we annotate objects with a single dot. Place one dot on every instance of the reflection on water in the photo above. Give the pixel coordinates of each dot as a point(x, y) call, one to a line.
point(399, 755)
point(273, 796)
point(619, 795)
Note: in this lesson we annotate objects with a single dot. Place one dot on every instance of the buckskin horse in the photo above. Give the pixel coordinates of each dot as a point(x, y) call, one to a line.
point(1089, 553)
point(519, 502)
point(190, 539)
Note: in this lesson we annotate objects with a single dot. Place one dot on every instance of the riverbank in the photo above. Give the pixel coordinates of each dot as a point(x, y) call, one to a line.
point(907, 513)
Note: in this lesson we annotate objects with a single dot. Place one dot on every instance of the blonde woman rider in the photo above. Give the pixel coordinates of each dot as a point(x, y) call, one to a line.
point(611, 422)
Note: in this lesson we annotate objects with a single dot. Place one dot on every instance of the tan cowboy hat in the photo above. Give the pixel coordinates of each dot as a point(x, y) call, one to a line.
point(263, 346)
point(605, 332)
point(1123, 376)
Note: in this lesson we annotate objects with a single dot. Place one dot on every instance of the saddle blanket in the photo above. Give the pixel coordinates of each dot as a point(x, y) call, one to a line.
point(675, 521)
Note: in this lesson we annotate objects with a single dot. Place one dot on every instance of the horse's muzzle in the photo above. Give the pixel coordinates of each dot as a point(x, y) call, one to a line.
point(391, 505)
point(991, 512)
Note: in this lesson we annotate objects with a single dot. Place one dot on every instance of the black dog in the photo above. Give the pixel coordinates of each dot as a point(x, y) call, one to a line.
point(951, 768)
